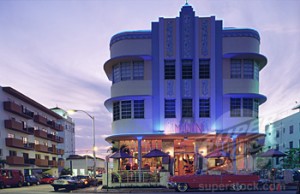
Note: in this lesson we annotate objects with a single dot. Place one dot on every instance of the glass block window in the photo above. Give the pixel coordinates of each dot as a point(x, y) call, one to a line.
point(187, 108)
point(116, 111)
point(187, 69)
point(235, 68)
point(256, 72)
point(204, 69)
point(235, 107)
point(116, 73)
point(138, 70)
point(255, 108)
point(125, 71)
point(204, 108)
point(248, 69)
point(170, 108)
point(126, 109)
point(170, 69)
point(138, 109)
point(247, 107)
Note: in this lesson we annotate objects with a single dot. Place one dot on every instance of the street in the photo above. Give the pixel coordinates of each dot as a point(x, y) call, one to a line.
point(42, 189)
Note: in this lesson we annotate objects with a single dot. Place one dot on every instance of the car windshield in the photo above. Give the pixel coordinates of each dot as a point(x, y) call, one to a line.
point(65, 177)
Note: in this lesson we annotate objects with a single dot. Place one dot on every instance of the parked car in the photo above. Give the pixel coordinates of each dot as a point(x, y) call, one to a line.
point(213, 182)
point(67, 182)
point(99, 179)
point(47, 179)
point(10, 177)
point(85, 180)
point(31, 180)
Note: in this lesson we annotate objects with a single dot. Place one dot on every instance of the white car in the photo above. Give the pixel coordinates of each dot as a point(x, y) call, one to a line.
point(67, 182)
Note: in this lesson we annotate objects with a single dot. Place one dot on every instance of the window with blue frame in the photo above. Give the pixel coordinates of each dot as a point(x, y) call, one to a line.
point(170, 70)
point(187, 108)
point(126, 109)
point(116, 111)
point(138, 106)
point(187, 69)
point(204, 69)
point(170, 108)
point(204, 107)
point(129, 70)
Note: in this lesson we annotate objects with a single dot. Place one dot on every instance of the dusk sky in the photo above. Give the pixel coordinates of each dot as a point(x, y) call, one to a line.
point(54, 51)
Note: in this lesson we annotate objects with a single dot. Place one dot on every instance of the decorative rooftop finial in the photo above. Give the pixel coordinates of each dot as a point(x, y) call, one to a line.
point(186, 2)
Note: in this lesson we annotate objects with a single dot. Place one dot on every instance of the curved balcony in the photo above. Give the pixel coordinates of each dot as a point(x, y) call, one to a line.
point(261, 60)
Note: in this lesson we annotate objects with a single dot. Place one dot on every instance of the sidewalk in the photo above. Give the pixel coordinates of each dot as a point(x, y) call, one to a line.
point(122, 190)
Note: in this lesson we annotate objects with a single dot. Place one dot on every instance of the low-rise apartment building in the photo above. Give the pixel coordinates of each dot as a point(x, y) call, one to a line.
point(29, 134)
point(283, 135)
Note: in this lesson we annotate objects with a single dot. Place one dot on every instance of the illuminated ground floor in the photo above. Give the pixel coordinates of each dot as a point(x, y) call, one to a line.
point(188, 153)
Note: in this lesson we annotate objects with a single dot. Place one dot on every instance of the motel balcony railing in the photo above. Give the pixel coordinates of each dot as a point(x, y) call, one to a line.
point(17, 109)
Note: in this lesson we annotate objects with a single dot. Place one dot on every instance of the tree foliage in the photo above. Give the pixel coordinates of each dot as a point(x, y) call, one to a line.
point(292, 160)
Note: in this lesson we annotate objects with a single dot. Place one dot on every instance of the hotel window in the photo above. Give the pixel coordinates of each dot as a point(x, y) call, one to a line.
point(116, 111)
point(11, 135)
point(25, 140)
point(187, 108)
point(126, 109)
point(170, 110)
point(37, 156)
point(204, 69)
point(125, 71)
point(138, 109)
point(204, 108)
point(248, 69)
point(283, 130)
point(170, 69)
point(291, 144)
point(277, 146)
point(0, 152)
point(12, 153)
point(116, 73)
point(138, 70)
point(236, 68)
point(277, 134)
point(291, 129)
point(235, 107)
point(187, 69)
point(247, 107)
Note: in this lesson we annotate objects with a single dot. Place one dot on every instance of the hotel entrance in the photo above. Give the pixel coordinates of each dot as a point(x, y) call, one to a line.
point(184, 157)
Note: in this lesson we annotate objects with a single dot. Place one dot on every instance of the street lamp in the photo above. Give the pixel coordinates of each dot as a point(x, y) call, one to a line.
point(94, 146)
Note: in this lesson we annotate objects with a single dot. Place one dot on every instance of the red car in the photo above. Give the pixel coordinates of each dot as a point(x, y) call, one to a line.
point(48, 179)
point(213, 182)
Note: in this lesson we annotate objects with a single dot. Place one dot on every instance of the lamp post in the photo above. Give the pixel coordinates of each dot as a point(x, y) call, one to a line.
point(94, 143)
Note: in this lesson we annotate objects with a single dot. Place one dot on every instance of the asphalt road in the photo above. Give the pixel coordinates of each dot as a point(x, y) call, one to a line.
point(42, 189)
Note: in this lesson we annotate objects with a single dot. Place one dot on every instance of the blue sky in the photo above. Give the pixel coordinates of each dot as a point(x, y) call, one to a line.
point(54, 51)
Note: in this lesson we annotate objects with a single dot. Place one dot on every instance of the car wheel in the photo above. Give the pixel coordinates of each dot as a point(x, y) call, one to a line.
point(55, 188)
point(182, 187)
point(20, 184)
point(1, 185)
point(37, 183)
